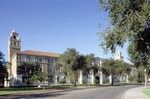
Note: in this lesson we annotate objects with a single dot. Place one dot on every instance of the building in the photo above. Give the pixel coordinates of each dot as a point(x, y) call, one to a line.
point(46, 60)
point(17, 56)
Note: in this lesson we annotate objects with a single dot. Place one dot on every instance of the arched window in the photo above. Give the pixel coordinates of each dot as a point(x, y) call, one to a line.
point(14, 43)
point(14, 37)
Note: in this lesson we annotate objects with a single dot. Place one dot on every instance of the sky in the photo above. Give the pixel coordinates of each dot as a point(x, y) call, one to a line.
point(55, 25)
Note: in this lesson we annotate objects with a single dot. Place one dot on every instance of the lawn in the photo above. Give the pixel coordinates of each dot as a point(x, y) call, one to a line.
point(22, 90)
point(146, 91)
point(10, 91)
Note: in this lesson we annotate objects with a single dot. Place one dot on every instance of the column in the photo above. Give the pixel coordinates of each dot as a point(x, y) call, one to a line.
point(56, 79)
point(101, 77)
point(145, 78)
point(5, 82)
point(92, 76)
point(127, 78)
point(81, 77)
point(110, 79)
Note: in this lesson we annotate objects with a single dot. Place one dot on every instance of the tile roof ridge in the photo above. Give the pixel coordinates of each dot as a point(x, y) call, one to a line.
point(38, 51)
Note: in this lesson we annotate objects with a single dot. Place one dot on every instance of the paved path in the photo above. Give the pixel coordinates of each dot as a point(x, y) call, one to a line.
point(135, 93)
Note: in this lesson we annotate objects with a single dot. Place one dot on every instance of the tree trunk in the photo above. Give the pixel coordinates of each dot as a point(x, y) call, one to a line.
point(28, 83)
point(75, 84)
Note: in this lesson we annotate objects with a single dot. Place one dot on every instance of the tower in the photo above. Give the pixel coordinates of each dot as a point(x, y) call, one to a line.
point(14, 44)
point(119, 56)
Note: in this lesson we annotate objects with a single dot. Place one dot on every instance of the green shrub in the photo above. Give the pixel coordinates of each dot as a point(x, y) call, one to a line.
point(106, 80)
point(96, 82)
point(84, 82)
point(131, 78)
point(62, 81)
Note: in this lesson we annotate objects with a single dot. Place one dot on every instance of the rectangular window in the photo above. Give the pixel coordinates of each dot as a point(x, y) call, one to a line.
point(49, 60)
point(40, 60)
point(32, 58)
point(23, 58)
point(52, 60)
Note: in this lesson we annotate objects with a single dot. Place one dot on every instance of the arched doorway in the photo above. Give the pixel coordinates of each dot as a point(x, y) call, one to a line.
point(97, 80)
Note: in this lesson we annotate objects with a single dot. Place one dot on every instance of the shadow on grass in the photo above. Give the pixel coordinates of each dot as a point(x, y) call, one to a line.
point(30, 96)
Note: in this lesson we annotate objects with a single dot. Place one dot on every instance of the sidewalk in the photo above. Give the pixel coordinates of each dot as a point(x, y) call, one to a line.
point(135, 93)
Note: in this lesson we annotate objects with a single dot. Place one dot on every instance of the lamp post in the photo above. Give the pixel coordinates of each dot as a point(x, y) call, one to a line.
point(145, 77)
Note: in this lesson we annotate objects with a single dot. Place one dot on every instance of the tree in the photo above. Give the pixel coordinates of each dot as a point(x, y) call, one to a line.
point(126, 69)
point(115, 68)
point(41, 77)
point(69, 61)
point(89, 64)
point(3, 69)
point(27, 70)
point(129, 21)
point(140, 76)
point(108, 67)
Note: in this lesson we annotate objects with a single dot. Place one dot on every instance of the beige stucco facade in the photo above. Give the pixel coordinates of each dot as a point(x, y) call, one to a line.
point(16, 57)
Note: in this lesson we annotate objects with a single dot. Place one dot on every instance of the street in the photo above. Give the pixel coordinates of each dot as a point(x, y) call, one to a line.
point(114, 92)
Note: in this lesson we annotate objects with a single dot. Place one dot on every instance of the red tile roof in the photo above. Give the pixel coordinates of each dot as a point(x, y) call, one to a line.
point(39, 53)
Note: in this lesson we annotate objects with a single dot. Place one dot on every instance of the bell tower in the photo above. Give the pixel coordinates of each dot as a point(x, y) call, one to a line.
point(119, 56)
point(14, 44)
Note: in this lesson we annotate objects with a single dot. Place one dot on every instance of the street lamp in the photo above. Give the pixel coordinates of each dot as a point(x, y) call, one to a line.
point(145, 77)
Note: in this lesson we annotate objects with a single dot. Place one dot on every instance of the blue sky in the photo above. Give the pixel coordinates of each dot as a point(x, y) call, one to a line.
point(54, 25)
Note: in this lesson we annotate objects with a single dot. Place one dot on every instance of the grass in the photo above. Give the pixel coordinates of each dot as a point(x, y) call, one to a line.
point(146, 91)
point(22, 90)
point(10, 91)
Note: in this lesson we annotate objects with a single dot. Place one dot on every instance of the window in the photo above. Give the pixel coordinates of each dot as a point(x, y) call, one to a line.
point(23, 58)
point(52, 60)
point(14, 37)
point(50, 70)
point(15, 43)
point(40, 60)
point(32, 58)
point(49, 60)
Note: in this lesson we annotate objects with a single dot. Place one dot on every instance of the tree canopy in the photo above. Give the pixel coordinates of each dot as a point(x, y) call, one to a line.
point(72, 62)
point(69, 60)
point(3, 69)
point(41, 77)
point(129, 21)
point(115, 68)
point(27, 70)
